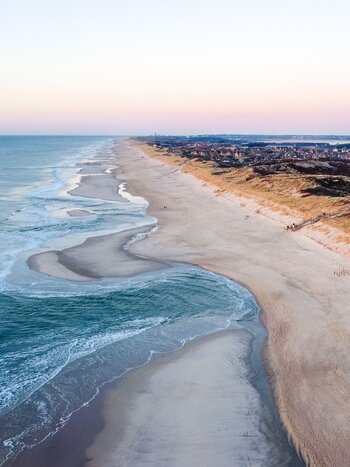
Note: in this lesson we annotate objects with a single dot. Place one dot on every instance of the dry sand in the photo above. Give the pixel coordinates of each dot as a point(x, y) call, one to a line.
point(194, 407)
point(278, 195)
point(305, 302)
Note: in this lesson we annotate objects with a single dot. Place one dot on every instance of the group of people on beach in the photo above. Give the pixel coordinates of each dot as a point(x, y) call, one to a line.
point(291, 226)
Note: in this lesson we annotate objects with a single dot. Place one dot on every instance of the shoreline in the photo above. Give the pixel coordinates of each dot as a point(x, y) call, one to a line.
point(75, 268)
point(307, 376)
point(100, 423)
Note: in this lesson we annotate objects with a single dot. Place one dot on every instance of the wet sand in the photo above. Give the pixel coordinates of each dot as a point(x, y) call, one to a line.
point(97, 257)
point(103, 186)
point(305, 304)
point(194, 407)
point(215, 384)
point(79, 213)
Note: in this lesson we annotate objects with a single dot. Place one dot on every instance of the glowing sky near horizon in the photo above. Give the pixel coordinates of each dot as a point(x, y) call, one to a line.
point(174, 66)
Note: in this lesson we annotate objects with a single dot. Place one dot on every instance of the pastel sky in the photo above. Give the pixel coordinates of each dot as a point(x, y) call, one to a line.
point(174, 66)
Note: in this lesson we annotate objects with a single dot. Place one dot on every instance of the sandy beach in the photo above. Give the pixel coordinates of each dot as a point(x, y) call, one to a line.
point(215, 387)
point(304, 301)
point(193, 407)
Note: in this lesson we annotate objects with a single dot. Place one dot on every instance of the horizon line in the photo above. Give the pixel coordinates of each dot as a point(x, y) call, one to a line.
point(313, 135)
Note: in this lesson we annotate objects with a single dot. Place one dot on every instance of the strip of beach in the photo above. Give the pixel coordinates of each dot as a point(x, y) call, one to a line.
point(304, 302)
point(304, 305)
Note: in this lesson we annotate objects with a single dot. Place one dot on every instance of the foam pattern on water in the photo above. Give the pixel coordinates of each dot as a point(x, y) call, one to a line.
point(57, 352)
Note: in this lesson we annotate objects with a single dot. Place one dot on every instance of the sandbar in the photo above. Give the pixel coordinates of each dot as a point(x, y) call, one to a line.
point(100, 186)
point(79, 213)
point(97, 257)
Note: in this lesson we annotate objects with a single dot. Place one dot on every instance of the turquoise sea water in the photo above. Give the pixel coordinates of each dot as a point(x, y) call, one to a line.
point(61, 341)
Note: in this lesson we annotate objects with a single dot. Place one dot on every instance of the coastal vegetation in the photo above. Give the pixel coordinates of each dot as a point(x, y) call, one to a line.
point(303, 179)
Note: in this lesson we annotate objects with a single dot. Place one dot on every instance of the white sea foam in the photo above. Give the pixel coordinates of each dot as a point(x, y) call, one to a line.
point(48, 358)
point(138, 200)
point(42, 221)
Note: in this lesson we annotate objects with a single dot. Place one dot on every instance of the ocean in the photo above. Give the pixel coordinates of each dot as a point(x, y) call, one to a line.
point(62, 341)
